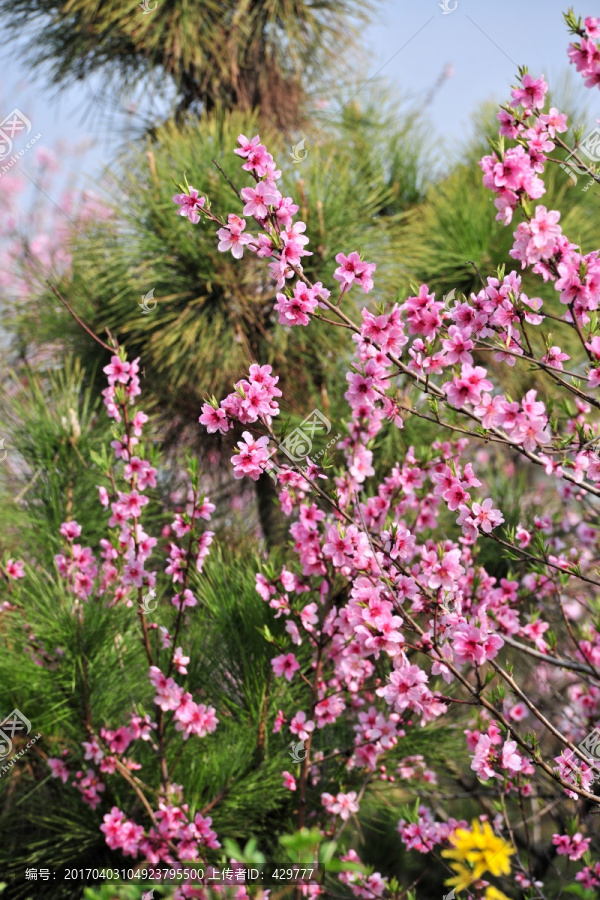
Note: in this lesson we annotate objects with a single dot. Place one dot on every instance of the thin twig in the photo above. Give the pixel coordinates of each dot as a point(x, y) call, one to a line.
point(227, 179)
point(78, 320)
point(553, 660)
point(471, 263)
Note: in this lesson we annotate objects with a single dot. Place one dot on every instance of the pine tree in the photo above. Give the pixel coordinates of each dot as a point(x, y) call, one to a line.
point(70, 666)
point(214, 316)
point(241, 54)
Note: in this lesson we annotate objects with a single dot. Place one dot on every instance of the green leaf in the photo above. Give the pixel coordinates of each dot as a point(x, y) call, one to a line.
point(326, 851)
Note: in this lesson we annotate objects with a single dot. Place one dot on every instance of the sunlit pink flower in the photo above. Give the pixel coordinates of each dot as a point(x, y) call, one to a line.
point(285, 665)
point(289, 781)
point(189, 205)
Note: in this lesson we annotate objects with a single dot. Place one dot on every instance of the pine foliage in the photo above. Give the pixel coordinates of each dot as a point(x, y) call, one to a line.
point(196, 54)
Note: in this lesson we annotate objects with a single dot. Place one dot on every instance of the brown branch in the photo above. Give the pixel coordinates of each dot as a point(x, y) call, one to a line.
point(227, 179)
point(553, 660)
point(79, 321)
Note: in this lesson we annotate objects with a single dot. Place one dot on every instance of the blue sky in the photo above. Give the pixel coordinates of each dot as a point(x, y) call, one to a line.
point(408, 45)
point(484, 41)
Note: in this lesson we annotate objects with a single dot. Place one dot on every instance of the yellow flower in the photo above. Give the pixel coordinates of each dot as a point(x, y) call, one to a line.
point(494, 851)
point(462, 880)
point(493, 893)
point(482, 850)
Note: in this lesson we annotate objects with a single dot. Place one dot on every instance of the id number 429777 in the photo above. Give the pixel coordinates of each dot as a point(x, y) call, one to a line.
point(292, 874)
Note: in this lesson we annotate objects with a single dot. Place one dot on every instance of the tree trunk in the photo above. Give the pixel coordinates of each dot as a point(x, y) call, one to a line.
point(273, 522)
